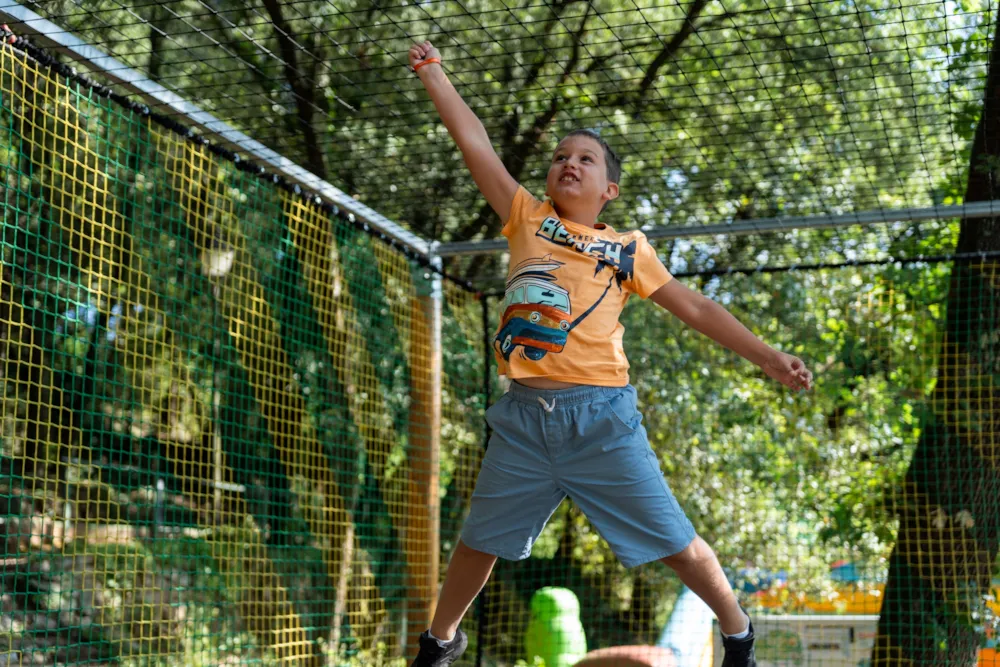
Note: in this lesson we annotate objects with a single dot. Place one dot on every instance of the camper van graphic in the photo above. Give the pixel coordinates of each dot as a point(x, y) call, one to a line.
point(536, 310)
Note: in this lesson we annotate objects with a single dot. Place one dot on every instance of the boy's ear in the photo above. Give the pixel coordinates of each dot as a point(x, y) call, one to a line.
point(611, 192)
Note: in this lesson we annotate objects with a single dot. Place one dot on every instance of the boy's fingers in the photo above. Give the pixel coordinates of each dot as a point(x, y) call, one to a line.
point(799, 379)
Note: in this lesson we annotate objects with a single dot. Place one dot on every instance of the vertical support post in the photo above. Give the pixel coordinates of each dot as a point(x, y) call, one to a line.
point(218, 458)
point(484, 300)
point(70, 473)
point(422, 535)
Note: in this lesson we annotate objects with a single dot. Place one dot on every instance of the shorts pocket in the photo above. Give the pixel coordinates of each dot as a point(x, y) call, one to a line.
point(623, 407)
point(495, 411)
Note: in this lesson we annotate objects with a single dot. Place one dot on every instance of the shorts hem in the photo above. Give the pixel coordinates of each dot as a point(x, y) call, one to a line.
point(499, 553)
point(642, 560)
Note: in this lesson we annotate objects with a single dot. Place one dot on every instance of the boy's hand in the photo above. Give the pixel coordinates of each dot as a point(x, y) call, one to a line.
point(421, 52)
point(788, 370)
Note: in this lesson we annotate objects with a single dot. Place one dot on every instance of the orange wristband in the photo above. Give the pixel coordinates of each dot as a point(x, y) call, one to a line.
point(427, 62)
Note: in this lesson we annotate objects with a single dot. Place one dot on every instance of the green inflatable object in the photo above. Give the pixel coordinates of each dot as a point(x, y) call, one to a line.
point(555, 633)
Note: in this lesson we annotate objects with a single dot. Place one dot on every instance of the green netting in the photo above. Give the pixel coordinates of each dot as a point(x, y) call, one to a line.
point(218, 412)
point(863, 513)
point(219, 402)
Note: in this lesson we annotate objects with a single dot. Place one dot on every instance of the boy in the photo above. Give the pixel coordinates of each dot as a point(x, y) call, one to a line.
point(569, 424)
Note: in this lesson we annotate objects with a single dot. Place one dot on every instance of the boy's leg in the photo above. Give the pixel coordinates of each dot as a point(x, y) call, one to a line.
point(514, 497)
point(467, 573)
point(700, 571)
point(614, 476)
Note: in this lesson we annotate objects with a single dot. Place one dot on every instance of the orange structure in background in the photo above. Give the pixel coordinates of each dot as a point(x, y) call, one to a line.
point(861, 599)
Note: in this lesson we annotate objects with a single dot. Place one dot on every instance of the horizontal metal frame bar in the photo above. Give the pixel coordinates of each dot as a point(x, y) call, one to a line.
point(979, 209)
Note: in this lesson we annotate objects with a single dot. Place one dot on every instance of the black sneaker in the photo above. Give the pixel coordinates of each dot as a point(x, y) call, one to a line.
point(434, 653)
point(739, 652)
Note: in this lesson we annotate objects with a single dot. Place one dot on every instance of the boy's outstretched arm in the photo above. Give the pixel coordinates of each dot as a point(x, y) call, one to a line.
point(701, 313)
point(489, 173)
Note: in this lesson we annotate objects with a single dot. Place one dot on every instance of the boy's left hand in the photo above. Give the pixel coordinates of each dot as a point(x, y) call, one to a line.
point(788, 370)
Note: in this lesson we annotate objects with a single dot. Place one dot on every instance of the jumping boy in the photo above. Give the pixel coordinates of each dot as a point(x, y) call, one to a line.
point(569, 424)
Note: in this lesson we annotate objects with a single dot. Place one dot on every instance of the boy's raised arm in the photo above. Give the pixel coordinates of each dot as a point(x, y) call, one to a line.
point(489, 173)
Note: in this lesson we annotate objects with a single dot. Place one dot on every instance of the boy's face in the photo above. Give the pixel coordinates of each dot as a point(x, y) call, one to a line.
point(578, 175)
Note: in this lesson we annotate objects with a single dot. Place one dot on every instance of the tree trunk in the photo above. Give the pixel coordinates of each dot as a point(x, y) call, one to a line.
point(949, 512)
point(303, 89)
point(158, 20)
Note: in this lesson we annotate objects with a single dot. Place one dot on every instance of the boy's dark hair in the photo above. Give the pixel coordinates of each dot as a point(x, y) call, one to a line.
point(611, 159)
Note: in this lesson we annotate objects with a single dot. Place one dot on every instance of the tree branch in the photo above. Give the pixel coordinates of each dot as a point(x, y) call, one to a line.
point(247, 54)
point(318, 62)
point(714, 21)
point(303, 88)
point(515, 162)
point(599, 61)
point(157, 33)
point(556, 17)
point(518, 149)
point(671, 48)
point(574, 58)
point(984, 164)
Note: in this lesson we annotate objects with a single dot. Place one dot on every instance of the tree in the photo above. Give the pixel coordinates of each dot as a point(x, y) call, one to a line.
point(721, 114)
point(949, 520)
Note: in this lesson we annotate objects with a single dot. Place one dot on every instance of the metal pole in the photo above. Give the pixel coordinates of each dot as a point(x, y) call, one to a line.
point(422, 541)
point(979, 209)
point(487, 398)
point(216, 401)
point(436, 360)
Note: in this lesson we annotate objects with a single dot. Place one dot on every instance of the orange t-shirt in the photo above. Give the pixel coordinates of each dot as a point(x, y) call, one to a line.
point(566, 288)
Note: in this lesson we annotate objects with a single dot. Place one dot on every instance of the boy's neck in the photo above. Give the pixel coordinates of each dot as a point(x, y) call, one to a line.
point(580, 217)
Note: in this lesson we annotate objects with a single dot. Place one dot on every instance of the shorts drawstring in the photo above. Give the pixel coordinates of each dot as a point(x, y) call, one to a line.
point(548, 408)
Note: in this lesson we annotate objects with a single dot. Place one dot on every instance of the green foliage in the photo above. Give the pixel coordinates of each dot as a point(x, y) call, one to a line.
point(748, 459)
point(772, 480)
point(759, 110)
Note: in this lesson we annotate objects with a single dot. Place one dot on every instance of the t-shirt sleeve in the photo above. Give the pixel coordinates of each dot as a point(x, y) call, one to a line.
point(524, 205)
point(648, 272)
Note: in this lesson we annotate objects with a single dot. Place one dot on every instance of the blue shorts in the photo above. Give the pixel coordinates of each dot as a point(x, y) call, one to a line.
point(587, 443)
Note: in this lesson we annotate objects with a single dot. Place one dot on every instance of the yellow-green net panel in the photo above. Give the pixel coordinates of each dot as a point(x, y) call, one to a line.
point(219, 404)
point(838, 515)
point(463, 432)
